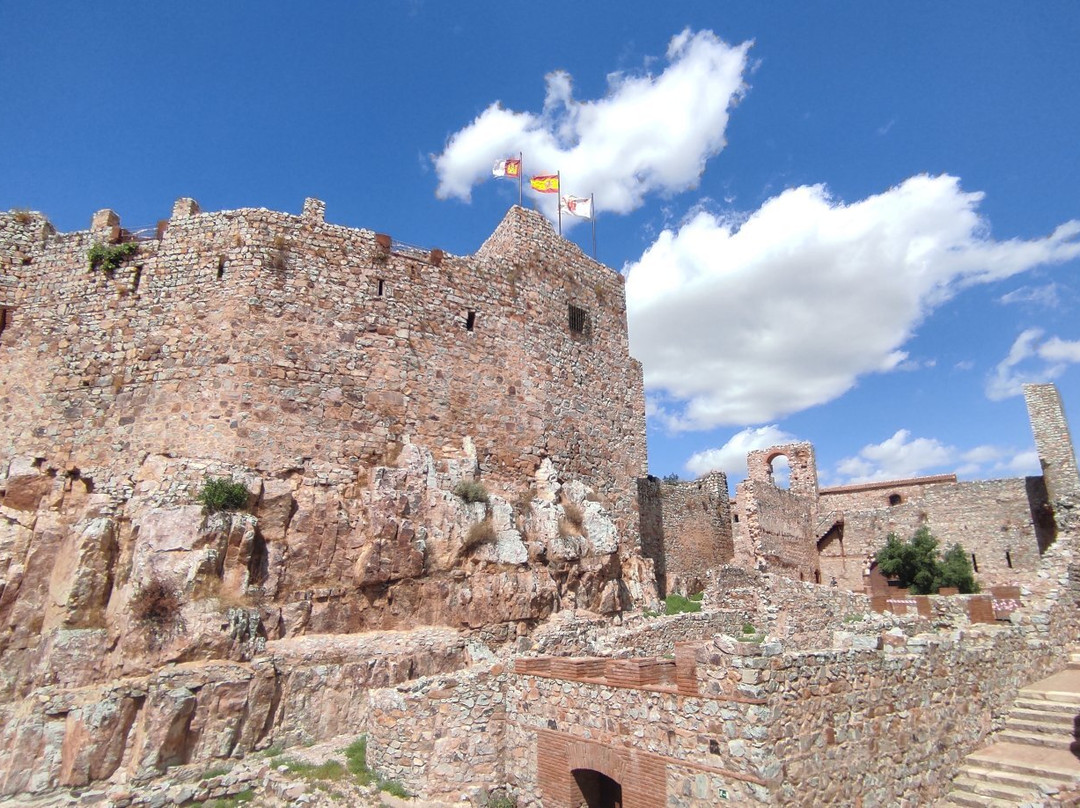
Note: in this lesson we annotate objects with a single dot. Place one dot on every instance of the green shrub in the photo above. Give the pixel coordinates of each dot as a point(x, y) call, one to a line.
point(394, 788)
point(108, 257)
point(698, 596)
point(748, 628)
point(223, 494)
point(501, 801)
point(356, 761)
point(680, 604)
point(471, 491)
point(916, 566)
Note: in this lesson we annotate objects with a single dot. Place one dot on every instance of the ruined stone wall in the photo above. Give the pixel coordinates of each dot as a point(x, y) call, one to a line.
point(778, 527)
point(1053, 441)
point(685, 529)
point(1003, 523)
point(442, 737)
point(278, 341)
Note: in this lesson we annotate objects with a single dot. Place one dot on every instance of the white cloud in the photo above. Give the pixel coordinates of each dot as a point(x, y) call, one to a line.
point(1031, 359)
point(731, 457)
point(650, 133)
point(1043, 296)
point(897, 458)
point(742, 320)
point(901, 457)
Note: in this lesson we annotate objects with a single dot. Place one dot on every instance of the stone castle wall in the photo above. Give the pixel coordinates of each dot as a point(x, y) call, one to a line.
point(277, 341)
point(685, 529)
point(1002, 523)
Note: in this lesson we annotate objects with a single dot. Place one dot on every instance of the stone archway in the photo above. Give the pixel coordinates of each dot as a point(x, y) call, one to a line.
point(597, 789)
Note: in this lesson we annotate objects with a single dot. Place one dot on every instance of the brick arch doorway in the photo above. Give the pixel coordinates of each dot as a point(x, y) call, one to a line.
point(597, 789)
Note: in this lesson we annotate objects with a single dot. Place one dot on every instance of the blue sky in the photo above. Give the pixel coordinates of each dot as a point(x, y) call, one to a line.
point(847, 223)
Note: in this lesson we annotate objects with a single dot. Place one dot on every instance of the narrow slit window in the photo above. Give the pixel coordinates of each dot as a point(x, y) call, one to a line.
point(579, 319)
point(220, 268)
point(3, 319)
point(1008, 558)
point(470, 321)
point(136, 278)
point(974, 563)
point(379, 287)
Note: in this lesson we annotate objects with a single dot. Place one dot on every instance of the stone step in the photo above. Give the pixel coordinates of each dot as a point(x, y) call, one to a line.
point(1024, 758)
point(1041, 724)
point(1044, 706)
point(1061, 687)
point(966, 799)
point(1013, 779)
point(1043, 740)
point(1000, 791)
point(1065, 720)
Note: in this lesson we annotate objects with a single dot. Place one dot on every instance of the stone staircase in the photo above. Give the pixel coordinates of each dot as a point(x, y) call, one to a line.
point(1032, 759)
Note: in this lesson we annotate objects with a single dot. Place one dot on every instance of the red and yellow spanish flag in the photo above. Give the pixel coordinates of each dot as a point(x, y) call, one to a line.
point(507, 168)
point(545, 183)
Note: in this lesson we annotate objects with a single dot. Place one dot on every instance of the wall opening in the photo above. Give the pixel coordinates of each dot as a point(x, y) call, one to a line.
point(220, 268)
point(470, 321)
point(895, 499)
point(3, 319)
point(974, 563)
point(597, 789)
point(579, 319)
point(780, 471)
point(379, 287)
point(1008, 559)
point(136, 278)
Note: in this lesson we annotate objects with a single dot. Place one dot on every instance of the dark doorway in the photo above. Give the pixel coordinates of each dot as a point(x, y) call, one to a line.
point(598, 790)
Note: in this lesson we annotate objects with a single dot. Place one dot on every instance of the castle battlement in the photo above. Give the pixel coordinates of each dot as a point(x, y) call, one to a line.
point(263, 338)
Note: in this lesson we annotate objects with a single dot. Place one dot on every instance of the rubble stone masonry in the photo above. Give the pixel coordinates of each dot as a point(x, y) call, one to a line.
point(277, 341)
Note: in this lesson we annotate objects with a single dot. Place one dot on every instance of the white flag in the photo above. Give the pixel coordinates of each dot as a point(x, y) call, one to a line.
point(580, 206)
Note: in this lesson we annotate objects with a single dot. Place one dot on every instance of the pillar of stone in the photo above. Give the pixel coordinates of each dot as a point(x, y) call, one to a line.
point(105, 226)
point(314, 210)
point(1053, 441)
point(183, 207)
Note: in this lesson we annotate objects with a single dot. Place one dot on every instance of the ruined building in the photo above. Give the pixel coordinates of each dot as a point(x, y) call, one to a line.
point(450, 543)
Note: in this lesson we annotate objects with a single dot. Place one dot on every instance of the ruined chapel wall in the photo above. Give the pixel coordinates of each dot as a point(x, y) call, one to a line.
point(292, 355)
point(686, 529)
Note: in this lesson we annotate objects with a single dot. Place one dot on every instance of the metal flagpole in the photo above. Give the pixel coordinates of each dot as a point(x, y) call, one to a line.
point(592, 210)
point(521, 170)
point(558, 196)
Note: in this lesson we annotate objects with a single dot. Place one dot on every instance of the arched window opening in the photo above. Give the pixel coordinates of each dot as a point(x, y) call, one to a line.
point(780, 471)
point(895, 499)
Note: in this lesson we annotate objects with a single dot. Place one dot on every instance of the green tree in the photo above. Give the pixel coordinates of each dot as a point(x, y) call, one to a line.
point(917, 566)
point(956, 571)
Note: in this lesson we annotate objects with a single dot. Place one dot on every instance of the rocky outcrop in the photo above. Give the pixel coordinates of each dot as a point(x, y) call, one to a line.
point(139, 633)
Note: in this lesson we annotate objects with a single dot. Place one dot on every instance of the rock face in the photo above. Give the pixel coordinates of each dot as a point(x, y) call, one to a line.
point(352, 387)
point(140, 633)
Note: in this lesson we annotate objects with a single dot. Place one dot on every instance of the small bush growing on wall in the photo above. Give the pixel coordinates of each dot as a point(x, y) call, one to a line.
point(480, 533)
point(22, 215)
point(471, 491)
point(223, 494)
point(156, 606)
point(108, 257)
